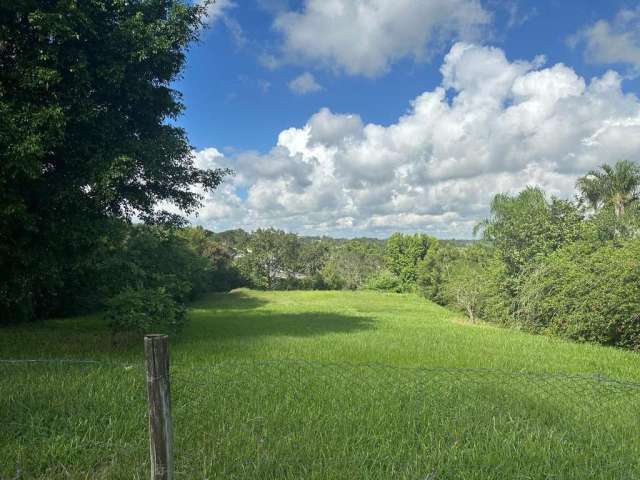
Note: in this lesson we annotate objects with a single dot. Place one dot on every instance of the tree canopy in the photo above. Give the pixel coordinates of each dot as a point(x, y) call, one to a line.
point(617, 186)
point(86, 110)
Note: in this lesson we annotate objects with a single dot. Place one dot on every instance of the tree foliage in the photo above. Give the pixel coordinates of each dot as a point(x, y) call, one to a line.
point(526, 227)
point(402, 255)
point(434, 269)
point(548, 268)
point(586, 294)
point(144, 311)
point(85, 99)
point(616, 186)
point(350, 267)
point(270, 258)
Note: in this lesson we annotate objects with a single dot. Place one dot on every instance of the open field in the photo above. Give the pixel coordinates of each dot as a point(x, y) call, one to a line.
point(291, 385)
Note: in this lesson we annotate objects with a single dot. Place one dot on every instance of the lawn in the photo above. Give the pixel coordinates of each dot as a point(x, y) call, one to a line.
point(321, 385)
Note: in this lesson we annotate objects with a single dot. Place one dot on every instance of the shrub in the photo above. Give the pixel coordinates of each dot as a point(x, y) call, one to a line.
point(144, 311)
point(586, 294)
point(498, 304)
point(384, 280)
point(464, 287)
point(433, 270)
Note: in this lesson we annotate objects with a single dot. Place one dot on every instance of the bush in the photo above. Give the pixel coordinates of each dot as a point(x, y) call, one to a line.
point(464, 288)
point(433, 270)
point(349, 269)
point(385, 280)
point(498, 304)
point(145, 311)
point(587, 294)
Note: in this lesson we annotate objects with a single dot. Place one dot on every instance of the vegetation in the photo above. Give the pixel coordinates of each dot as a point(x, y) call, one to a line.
point(552, 266)
point(615, 186)
point(94, 178)
point(545, 265)
point(144, 310)
point(85, 104)
point(282, 419)
point(270, 255)
point(597, 299)
point(402, 255)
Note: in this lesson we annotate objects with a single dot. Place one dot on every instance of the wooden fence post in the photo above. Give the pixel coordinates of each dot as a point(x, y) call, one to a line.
point(156, 353)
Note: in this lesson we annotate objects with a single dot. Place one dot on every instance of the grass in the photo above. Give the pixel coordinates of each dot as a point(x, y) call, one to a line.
point(322, 385)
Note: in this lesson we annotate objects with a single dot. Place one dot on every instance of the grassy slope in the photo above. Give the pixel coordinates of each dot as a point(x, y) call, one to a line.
point(353, 327)
point(466, 429)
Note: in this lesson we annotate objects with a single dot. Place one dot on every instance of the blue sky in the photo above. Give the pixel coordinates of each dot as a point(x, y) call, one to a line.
point(371, 62)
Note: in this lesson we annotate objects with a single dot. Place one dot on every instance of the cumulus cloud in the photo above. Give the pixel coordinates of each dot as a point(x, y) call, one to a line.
point(612, 42)
point(304, 83)
point(365, 36)
point(492, 125)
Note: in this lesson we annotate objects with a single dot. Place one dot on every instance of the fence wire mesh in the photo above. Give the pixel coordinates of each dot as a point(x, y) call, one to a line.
point(309, 420)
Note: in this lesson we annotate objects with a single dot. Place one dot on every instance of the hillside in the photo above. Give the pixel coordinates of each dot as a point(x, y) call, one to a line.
point(322, 385)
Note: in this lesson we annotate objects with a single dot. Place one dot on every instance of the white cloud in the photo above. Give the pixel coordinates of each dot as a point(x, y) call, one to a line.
point(612, 42)
point(502, 125)
point(304, 83)
point(331, 129)
point(217, 9)
point(366, 36)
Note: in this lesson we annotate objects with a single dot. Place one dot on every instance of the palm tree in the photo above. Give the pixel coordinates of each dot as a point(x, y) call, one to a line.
point(617, 186)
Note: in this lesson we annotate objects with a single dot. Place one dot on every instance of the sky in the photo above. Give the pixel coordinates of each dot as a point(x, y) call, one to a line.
point(364, 117)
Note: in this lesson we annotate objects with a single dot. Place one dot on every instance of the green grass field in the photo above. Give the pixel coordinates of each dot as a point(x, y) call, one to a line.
point(322, 385)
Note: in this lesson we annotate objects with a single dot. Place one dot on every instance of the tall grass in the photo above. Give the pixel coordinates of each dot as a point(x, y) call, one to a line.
point(382, 386)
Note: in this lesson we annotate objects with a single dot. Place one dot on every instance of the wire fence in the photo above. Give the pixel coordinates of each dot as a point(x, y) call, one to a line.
point(296, 419)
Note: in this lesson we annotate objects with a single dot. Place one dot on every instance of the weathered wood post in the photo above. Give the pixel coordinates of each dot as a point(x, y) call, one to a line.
point(156, 353)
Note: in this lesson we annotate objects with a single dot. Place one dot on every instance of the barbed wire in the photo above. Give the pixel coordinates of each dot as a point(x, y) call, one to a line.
point(66, 361)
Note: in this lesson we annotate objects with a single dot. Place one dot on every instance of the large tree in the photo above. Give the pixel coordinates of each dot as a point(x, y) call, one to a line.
point(616, 186)
point(86, 134)
point(403, 253)
point(270, 255)
point(528, 226)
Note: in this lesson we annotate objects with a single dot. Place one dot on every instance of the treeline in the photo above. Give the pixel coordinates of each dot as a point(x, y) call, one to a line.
point(551, 266)
point(558, 267)
point(140, 275)
point(276, 260)
point(543, 264)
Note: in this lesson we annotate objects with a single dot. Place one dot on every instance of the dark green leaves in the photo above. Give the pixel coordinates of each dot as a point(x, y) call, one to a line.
point(85, 105)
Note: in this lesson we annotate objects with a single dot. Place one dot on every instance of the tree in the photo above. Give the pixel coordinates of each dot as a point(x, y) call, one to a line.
point(222, 274)
point(434, 269)
point(464, 287)
point(616, 186)
point(85, 104)
point(526, 227)
point(402, 255)
point(313, 256)
point(349, 267)
point(151, 257)
point(271, 255)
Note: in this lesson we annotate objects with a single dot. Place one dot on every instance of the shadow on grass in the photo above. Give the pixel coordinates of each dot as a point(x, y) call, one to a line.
point(228, 301)
point(207, 327)
point(215, 318)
